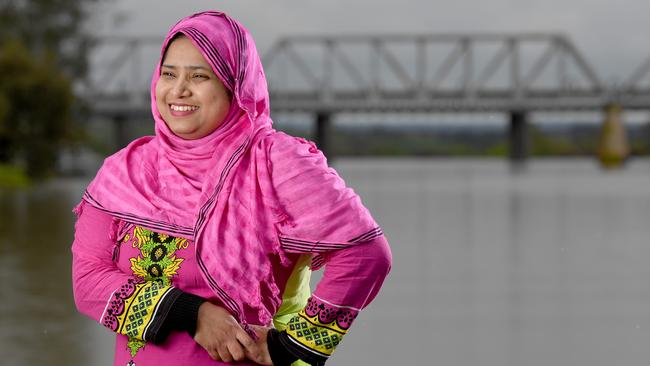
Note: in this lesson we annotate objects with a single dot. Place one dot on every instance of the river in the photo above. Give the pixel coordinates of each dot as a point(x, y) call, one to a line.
point(545, 267)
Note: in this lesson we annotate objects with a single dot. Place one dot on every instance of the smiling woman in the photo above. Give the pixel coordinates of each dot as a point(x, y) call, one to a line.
point(194, 245)
point(191, 99)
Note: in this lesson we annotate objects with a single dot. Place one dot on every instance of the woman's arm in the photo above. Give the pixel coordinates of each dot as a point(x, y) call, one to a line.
point(106, 294)
point(111, 297)
point(326, 218)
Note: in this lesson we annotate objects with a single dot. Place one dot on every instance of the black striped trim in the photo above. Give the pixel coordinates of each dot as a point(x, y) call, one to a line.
point(160, 313)
point(311, 356)
point(211, 52)
point(227, 300)
point(147, 223)
point(369, 235)
point(241, 45)
point(311, 247)
point(240, 40)
point(318, 261)
point(224, 173)
point(304, 246)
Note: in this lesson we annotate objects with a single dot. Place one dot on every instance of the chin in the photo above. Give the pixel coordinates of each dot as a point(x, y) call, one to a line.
point(184, 133)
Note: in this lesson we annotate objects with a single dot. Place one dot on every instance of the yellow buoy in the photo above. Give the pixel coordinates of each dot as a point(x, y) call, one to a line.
point(613, 147)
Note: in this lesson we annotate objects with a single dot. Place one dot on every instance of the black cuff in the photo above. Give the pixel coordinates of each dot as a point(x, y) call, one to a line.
point(281, 341)
point(182, 316)
point(279, 354)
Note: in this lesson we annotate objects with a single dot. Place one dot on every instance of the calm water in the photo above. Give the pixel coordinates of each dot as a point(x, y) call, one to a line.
point(548, 267)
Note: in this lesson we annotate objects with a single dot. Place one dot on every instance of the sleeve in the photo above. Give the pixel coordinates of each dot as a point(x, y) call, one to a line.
point(142, 310)
point(328, 220)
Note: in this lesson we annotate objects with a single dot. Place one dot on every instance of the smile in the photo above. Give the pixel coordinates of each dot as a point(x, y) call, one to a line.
point(183, 108)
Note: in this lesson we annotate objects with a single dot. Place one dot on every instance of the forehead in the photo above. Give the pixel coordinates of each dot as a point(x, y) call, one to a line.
point(182, 52)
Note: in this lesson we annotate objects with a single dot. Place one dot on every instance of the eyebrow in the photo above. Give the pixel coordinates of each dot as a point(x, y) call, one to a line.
point(187, 67)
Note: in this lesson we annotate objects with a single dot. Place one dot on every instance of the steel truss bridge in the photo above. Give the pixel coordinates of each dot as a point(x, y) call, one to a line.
point(508, 73)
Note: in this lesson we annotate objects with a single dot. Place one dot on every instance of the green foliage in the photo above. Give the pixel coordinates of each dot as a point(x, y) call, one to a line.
point(500, 149)
point(53, 27)
point(640, 143)
point(35, 109)
point(542, 145)
point(43, 51)
point(12, 177)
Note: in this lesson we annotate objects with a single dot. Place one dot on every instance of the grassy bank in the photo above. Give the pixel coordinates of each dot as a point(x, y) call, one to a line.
point(13, 177)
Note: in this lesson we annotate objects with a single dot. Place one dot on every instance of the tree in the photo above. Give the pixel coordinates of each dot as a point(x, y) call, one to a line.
point(43, 51)
point(50, 27)
point(36, 102)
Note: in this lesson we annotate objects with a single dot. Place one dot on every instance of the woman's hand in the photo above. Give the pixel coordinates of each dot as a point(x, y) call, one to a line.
point(262, 357)
point(225, 340)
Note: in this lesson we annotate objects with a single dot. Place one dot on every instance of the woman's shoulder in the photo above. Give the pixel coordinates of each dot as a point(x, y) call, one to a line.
point(281, 146)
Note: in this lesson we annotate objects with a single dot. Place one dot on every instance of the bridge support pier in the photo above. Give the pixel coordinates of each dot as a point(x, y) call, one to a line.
point(518, 138)
point(119, 125)
point(323, 127)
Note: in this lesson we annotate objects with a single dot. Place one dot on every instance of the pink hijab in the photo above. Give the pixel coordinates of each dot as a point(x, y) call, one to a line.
point(234, 192)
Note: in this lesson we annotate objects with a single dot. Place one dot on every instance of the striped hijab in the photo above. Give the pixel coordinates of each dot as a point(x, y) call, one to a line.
point(245, 194)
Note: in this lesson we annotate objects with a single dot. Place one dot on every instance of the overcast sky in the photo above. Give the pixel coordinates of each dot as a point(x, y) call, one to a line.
point(614, 35)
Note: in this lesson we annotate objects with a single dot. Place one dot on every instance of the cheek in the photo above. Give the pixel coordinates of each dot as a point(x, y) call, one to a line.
point(160, 92)
point(218, 102)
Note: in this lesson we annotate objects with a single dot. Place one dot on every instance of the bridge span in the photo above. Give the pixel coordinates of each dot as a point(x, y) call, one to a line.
point(323, 75)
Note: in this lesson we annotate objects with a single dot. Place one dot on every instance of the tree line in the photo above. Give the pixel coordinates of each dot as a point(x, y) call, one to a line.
point(43, 52)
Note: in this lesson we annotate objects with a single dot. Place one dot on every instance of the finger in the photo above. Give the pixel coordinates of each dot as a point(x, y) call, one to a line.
point(264, 356)
point(244, 339)
point(214, 354)
point(236, 351)
point(224, 354)
point(253, 355)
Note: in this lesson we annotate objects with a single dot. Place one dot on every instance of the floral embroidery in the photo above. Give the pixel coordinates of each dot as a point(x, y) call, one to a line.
point(329, 313)
point(116, 306)
point(132, 309)
point(157, 259)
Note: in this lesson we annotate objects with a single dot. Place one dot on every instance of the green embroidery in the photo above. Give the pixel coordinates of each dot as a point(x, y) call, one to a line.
point(135, 345)
point(157, 260)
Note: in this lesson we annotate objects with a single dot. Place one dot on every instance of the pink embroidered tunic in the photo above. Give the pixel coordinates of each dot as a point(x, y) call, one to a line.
point(121, 278)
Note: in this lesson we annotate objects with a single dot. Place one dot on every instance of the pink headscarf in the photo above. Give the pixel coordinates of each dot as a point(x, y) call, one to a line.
point(231, 191)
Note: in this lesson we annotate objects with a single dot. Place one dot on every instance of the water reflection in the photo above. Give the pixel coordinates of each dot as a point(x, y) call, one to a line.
point(38, 322)
point(544, 267)
point(490, 268)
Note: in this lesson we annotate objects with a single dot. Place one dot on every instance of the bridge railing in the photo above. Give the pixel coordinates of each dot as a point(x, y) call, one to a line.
point(639, 80)
point(121, 68)
point(428, 66)
point(443, 72)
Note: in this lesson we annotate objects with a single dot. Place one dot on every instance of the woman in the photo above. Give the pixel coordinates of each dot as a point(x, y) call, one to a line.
point(194, 245)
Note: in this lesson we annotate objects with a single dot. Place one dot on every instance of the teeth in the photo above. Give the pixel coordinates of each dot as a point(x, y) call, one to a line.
point(183, 108)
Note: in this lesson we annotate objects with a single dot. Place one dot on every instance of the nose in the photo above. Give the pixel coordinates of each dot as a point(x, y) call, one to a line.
point(181, 88)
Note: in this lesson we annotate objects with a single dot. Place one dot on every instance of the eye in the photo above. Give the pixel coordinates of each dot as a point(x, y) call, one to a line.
point(167, 74)
point(200, 76)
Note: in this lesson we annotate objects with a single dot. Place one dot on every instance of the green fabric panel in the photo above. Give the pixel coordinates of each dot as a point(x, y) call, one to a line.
point(295, 296)
point(296, 293)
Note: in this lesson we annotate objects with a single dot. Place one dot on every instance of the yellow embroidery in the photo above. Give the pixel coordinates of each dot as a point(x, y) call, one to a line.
point(140, 308)
point(308, 331)
point(157, 259)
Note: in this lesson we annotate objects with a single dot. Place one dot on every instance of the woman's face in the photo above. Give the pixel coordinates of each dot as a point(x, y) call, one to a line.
point(190, 97)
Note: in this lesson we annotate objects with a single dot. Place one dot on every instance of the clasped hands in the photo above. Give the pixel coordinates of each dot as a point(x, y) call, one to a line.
point(225, 340)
